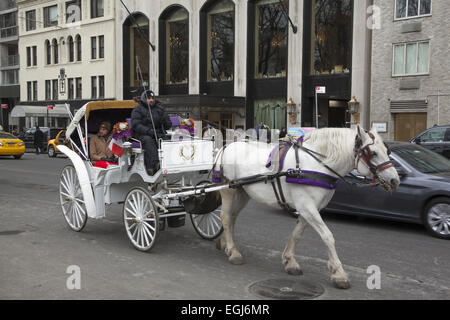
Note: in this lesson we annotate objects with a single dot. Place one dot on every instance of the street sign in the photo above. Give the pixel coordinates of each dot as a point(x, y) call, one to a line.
point(49, 107)
point(321, 89)
point(4, 106)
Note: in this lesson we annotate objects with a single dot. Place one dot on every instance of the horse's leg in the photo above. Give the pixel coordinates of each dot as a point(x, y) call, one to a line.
point(338, 275)
point(290, 264)
point(233, 201)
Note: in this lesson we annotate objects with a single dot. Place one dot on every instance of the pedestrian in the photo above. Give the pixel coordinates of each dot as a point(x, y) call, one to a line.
point(283, 133)
point(144, 129)
point(38, 140)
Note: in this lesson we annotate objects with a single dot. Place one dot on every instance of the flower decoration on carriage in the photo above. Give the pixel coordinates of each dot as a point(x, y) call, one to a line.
point(188, 125)
point(121, 131)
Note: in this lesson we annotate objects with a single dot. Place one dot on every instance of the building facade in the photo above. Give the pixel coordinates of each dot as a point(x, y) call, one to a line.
point(9, 60)
point(237, 63)
point(67, 51)
point(410, 86)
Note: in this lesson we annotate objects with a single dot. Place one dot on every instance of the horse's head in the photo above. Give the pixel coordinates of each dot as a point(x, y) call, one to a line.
point(372, 159)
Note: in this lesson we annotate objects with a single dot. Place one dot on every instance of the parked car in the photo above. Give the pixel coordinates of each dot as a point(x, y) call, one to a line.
point(423, 196)
point(52, 145)
point(49, 134)
point(11, 145)
point(436, 139)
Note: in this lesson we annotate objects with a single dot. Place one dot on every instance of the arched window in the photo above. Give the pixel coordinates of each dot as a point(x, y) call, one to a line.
point(219, 25)
point(271, 39)
point(79, 52)
point(174, 49)
point(135, 49)
point(48, 52)
point(71, 49)
point(55, 51)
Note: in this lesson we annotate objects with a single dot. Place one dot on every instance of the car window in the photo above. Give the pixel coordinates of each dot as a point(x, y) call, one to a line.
point(6, 136)
point(447, 135)
point(423, 160)
point(433, 135)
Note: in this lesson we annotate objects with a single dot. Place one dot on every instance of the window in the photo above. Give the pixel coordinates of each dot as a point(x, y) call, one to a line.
point(30, 20)
point(176, 26)
point(55, 51)
point(412, 8)
point(331, 38)
point(34, 50)
point(71, 49)
point(55, 89)
point(79, 87)
point(101, 86)
point(29, 91)
point(28, 56)
point(101, 47)
point(94, 87)
point(271, 39)
point(79, 48)
point(50, 16)
point(220, 53)
point(433, 135)
point(48, 52)
point(35, 91)
point(73, 11)
point(97, 9)
point(411, 59)
point(71, 89)
point(93, 48)
point(48, 90)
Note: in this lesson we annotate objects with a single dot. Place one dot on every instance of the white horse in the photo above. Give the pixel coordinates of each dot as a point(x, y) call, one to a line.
point(344, 150)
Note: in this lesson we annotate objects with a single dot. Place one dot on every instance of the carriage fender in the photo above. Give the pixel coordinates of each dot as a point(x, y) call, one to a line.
point(83, 178)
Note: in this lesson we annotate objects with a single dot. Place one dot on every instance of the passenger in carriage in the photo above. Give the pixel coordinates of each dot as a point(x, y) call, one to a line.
point(101, 155)
point(141, 123)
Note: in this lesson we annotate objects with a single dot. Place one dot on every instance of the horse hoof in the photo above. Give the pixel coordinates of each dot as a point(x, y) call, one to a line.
point(236, 260)
point(342, 284)
point(219, 245)
point(294, 271)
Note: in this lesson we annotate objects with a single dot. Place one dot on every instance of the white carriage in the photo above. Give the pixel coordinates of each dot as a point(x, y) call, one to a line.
point(150, 203)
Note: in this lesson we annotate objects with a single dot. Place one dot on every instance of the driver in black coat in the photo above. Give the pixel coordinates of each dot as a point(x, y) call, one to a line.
point(141, 123)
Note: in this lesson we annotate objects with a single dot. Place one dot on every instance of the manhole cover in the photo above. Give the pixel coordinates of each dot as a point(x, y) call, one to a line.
point(284, 289)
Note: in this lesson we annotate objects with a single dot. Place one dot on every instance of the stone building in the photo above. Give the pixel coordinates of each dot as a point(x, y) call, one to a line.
point(410, 86)
point(67, 51)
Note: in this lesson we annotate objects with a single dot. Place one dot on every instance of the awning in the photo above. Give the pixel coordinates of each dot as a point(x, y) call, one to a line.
point(59, 111)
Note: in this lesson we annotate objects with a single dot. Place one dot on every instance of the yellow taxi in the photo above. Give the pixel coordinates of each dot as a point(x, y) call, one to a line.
point(11, 145)
point(52, 145)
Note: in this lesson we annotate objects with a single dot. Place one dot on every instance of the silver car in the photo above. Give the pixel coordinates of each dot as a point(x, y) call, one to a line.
point(423, 196)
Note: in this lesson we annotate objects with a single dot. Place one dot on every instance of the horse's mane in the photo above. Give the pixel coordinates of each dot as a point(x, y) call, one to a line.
point(335, 143)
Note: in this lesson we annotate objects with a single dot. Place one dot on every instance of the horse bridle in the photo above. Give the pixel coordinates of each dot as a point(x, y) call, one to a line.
point(366, 155)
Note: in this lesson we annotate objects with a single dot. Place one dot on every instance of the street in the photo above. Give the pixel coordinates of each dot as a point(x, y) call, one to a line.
point(37, 248)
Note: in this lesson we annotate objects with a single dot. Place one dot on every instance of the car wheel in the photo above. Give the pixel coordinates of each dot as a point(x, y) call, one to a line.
point(18, 157)
point(437, 217)
point(51, 152)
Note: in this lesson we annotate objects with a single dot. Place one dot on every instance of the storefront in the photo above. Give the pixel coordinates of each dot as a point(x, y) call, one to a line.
point(327, 57)
point(32, 116)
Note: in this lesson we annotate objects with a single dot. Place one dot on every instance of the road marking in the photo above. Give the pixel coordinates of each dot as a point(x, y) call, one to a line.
point(34, 172)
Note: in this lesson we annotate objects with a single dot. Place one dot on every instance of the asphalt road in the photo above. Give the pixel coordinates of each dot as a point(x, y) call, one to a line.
point(36, 249)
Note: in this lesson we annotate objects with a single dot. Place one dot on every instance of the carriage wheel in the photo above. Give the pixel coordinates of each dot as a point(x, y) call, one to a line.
point(141, 219)
point(72, 200)
point(208, 226)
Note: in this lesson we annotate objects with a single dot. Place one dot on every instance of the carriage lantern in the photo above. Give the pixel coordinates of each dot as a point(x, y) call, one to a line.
point(292, 110)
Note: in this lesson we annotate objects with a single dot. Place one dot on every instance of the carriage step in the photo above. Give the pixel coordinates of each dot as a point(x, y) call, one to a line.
point(177, 221)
